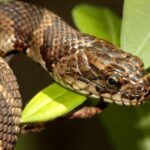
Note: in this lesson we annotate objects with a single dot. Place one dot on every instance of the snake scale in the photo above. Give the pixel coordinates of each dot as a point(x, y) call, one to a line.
point(80, 62)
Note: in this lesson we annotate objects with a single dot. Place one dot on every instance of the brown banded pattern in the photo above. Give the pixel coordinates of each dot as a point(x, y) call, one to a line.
point(82, 63)
point(10, 107)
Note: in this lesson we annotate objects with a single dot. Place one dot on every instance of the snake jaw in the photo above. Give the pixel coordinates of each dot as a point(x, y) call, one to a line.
point(117, 99)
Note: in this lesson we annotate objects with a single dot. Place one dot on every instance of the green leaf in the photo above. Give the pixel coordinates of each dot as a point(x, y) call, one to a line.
point(135, 34)
point(50, 103)
point(98, 21)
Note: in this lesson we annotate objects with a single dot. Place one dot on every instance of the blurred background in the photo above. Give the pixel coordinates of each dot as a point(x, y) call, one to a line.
point(100, 132)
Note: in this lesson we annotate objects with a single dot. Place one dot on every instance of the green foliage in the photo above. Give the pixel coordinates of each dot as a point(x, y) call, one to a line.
point(135, 34)
point(50, 103)
point(96, 21)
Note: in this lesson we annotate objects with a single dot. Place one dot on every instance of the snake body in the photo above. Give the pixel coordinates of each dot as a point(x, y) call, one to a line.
point(10, 107)
point(80, 62)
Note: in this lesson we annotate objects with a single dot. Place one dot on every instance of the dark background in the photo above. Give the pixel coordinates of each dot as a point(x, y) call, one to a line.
point(65, 135)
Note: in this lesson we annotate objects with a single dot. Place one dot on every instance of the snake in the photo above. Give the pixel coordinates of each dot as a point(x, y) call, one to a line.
point(80, 62)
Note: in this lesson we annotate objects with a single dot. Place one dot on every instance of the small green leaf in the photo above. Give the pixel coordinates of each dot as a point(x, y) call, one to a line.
point(50, 103)
point(135, 34)
point(98, 21)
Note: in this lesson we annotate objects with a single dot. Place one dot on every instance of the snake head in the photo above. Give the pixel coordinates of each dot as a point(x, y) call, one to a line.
point(100, 70)
point(118, 77)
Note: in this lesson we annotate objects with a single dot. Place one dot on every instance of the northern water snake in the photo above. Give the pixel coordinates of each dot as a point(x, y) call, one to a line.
point(82, 63)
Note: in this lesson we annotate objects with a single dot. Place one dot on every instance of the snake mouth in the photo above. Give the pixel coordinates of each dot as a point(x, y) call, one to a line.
point(123, 101)
point(119, 99)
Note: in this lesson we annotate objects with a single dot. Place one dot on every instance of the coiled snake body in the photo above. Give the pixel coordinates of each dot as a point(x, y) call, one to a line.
point(79, 62)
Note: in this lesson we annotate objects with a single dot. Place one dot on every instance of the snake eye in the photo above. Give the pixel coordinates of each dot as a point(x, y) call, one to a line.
point(113, 81)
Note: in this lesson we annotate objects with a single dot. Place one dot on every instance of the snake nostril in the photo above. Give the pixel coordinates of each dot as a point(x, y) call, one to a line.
point(98, 89)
